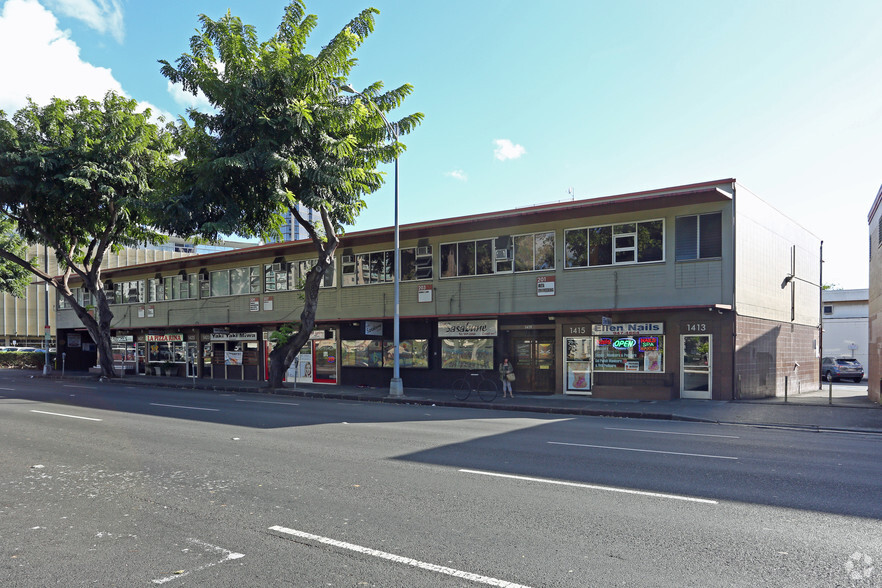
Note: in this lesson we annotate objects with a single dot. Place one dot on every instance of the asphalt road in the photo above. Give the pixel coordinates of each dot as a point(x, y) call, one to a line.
point(109, 485)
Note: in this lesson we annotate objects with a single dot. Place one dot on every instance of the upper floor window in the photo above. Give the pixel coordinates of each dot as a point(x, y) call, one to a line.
point(81, 295)
point(699, 236)
point(231, 282)
point(828, 309)
point(378, 267)
point(290, 275)
point(467, 258)
point(623, 243)
point(520, 253)
point(128, 292)
point(172, 288)
point(533, 252)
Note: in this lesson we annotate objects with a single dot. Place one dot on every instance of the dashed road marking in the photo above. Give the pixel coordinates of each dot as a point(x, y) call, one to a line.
point(187, 407)
point(267, 402)
point(70, 416)
point(641, 450)
point(594, 487)
point(400, 559)
point(672, 433)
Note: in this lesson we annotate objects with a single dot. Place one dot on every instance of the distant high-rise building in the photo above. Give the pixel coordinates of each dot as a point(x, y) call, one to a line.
point(291, 229)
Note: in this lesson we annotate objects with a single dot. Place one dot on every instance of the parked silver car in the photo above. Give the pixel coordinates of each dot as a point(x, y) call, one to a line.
point(841, 368)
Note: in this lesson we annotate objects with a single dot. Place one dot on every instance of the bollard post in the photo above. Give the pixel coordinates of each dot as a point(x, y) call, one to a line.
point(831, 391)
point(785, 388)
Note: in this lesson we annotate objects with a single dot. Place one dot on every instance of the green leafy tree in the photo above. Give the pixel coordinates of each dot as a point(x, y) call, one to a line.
point(77, 176)
point(14, 279)
point(281, 133)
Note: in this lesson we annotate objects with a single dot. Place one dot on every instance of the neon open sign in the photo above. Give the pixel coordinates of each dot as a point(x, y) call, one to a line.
point(626, 343)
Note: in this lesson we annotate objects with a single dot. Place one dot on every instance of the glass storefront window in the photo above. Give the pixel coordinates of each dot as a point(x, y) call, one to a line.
point(167, 351)
point(632, 353)
point(467, 354)
point(412, 353)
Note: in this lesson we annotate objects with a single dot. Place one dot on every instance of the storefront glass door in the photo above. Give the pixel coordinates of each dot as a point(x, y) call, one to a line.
point(325, 360)
point(578, 365)
point(533, 358)
point(696, 367)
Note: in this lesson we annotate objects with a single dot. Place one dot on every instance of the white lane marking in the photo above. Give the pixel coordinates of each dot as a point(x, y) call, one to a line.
point(641, 450)
point(71, 416)
point(595, 487)
point(672, 433)
point(228, 555)
point(400, 559)
point(187, 407)
point(268, 402)
point(82, 387)
point(8, 389)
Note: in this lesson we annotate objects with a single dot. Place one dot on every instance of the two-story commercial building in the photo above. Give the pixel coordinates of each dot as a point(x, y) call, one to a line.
point(697, 291)
point(874, 334)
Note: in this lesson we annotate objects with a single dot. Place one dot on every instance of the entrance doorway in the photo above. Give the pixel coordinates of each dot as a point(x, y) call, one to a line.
point(532, 353)
point(696, 366)
point(325, 361)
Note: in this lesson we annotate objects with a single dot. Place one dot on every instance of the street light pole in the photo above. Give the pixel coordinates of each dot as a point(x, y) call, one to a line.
point(396, 386)
point(46, 333)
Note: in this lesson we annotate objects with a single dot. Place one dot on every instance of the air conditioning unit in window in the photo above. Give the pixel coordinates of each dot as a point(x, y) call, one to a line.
point(348, 259)
point(277, 267)
point(424, 251)
point(501, 254)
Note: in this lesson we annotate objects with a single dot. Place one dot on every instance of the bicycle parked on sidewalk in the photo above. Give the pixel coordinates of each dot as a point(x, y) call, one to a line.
point(485, 388)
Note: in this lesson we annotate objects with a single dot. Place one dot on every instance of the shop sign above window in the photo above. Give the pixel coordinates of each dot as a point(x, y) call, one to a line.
point(472, 328)
point(163, 338)
point(234, 336)
point(629, 329)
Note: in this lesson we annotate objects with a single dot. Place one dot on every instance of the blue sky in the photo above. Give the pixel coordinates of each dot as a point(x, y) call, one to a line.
point(525, 101)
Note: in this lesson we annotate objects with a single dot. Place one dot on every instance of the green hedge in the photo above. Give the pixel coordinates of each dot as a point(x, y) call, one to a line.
point(24, 359)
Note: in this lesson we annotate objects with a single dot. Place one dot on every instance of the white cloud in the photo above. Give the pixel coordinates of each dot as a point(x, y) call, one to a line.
point(46, 62)
point(105, 16)
point(187, 99)
point(505, 149)
point(457, 174)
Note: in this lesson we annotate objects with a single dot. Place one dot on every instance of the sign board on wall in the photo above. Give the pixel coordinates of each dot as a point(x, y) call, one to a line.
point(74, 340)
point(472, 328)
point(424, 293)
point(254, 304)
point(629, 329)
point(267, 302)
point(234, 336)
point(545, 286)
point(373, 328)
point(172, 337)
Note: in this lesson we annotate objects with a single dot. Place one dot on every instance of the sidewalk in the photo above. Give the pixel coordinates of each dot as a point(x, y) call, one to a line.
point(850, 410)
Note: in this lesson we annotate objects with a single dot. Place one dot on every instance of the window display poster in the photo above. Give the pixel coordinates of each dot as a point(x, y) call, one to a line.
point(578, 375)
point(652, 361)
point(232, 358)
point(300, 369)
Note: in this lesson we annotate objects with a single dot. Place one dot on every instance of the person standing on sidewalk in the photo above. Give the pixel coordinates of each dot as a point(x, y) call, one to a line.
point(506, 374)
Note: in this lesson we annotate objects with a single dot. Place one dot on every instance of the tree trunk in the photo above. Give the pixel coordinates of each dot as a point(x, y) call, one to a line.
point(99, 329)
point(283, 356)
